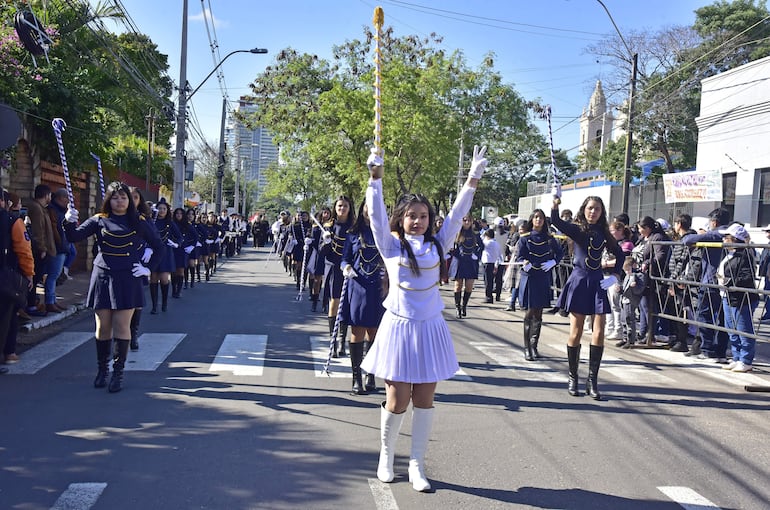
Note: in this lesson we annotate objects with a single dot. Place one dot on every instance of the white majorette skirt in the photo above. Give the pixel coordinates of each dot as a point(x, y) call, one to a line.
point(412, 351)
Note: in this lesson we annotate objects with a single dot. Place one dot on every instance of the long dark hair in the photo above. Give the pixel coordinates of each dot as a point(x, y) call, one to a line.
point(184, 224)
point(582, 222)
point(361, 221)
point(397, 225)
point(546, 224)
point(142, 208)
point(116, 187)
point(351, 209)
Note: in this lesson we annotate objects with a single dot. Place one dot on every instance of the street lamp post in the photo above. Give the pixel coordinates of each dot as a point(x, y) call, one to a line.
point(181, 127)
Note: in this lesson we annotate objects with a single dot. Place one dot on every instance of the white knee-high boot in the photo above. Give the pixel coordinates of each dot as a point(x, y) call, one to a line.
point(422, 422)
point(390, 425)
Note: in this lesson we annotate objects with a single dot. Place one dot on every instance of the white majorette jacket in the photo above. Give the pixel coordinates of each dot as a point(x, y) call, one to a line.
point(413, 296)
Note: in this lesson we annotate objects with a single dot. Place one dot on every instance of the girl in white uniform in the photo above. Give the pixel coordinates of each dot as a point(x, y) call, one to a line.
point(413, 348)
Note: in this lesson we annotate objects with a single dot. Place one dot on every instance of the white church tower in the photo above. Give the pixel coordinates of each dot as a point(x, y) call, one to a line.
point(596, 122)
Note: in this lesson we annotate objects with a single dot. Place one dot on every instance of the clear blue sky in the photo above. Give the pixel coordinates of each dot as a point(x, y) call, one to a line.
point(539, 43)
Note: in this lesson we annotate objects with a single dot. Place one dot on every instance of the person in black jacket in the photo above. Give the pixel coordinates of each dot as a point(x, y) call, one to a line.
point(737, 270)
point(681, 298)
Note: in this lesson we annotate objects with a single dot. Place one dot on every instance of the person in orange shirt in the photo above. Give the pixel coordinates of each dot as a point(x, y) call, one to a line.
point(18, 255)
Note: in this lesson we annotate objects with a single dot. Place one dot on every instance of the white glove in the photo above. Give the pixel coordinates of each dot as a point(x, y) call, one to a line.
point(349, 272)
point(326, 237)
point(526, 267)
point(172, 243)
point(189, 249)
point(308, 241)
point(198, 244)
point(475, 257)
point(140, 270)
point(479, 163)
point(374, 159)
point(608, 282)
point(556, 190)
point(147, 255)
point(209, 241)
point(548, 265)
point(71, 215)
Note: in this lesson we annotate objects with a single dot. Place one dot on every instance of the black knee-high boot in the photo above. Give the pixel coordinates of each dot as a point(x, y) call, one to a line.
point(528, 339)
point(164, 296)
point(154, 297)
point(332, 320)
point(175, 285)
point(186, 276)
point(356, 356)
point(116, 382)
point(458, 305)
point(313, 302)
point(466, 298)
point(103, 350)
point(594, 360)
point(342, 334)
point(135, 319)
point(198, 271)
point(573, 356)
point(192, 275)
point(537, 324)
point(208, 274)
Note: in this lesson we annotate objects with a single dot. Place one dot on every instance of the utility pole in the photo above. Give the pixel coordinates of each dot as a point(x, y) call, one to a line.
point(221, 164)
point(150, 145)
point(629, 137)
point(181, 118)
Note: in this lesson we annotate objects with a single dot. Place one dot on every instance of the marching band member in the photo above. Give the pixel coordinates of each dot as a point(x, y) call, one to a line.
point(467, 249)
point(316, 263)
point(182, 253)
point(300, 232)
point(363, 267)
point(161, 273)
point(116, 289)
point(333, 241)
point(413, 349)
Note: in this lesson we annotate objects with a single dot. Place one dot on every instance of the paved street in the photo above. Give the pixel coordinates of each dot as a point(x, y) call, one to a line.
point(225, 406)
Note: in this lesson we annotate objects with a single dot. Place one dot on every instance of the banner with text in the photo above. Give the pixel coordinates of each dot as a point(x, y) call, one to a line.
point(693, 186)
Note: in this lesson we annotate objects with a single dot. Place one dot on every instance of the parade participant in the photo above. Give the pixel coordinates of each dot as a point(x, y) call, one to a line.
point(538, 252)
point(467, 250)
point(204, 247)
point(192, 258)
point(501, 236)
point(161, 273)
point(316, 263)
point(585, 291)
point(491, 257)
point(413, 349)
point(300, 231)
point(209, 242)
point(116, 288)
point(333, 240)
point(216, 232)
point(145, 213)
point(182, 253)
point(363, 267)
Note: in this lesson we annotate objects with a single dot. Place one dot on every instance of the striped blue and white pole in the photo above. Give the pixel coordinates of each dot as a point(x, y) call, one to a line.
point(58, 127)
point(99, 169)
point(550, 143)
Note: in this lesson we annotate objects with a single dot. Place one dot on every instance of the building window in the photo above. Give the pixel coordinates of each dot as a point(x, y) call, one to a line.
point(598, 139)
point(763, 212)
point(728, 191)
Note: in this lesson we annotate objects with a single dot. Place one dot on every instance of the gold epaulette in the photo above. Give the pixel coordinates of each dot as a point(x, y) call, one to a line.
point(102, 215)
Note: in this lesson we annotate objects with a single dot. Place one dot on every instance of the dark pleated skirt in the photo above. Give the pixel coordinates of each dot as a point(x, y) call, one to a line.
point(363, 304)
point(166, 263)
point(467, 268)
point(114, 290)
point(583, 295)
point(332, 281)
point(180, 258)
point(535, 289)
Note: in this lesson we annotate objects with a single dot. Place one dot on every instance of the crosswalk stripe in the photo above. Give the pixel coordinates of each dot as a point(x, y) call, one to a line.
point(710, 369)
point(43, 354)
point(154, 348)
point(79, 496)
point(687, 498)
point(383, 495)
point(513, 359)
point(636, 375)
point(338, 367)
point(241, 355)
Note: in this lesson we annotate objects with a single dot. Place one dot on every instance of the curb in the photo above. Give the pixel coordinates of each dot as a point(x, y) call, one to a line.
point(48, 320)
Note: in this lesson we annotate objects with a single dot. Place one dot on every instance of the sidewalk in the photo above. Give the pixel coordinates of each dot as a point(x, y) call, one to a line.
point(70, 295)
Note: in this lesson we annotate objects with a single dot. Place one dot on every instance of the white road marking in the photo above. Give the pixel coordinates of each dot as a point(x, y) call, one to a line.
point(687, 498)
point(154, 348)
point(383, 496)
point(636, 375)
point(512, 358)
point(43, 354)
point(241, 355)
point(338, 367)
point(79, 496)
point(710, 369)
